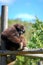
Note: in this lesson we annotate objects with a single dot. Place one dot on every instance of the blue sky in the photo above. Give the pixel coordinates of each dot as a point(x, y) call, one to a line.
point(24, 9)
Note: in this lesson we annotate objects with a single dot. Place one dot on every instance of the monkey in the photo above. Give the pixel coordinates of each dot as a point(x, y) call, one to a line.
point(13, 37)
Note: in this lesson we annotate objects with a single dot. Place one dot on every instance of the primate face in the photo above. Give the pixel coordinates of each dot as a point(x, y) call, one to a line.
point(20, 29)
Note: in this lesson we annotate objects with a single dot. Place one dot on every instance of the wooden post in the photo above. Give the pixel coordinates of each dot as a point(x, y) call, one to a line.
point(40, 62)
point(4, 17)
point(4, 25)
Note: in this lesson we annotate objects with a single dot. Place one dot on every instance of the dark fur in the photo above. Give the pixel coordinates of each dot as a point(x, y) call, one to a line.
point(13, 36)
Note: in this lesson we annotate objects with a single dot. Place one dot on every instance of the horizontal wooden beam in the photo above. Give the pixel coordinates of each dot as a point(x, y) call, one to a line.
point(29, 51)
point(32, 56)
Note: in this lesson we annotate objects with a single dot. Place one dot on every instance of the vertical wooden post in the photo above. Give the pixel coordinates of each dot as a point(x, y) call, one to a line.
point(4, 25)
point(4, 17)
point(40, 62)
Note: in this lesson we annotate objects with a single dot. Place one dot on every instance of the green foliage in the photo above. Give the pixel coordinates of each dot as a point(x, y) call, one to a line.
point(36, 40)
point(21, 60)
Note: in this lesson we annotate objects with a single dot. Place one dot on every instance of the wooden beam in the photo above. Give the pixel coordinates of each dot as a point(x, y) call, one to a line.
point(29, 51)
